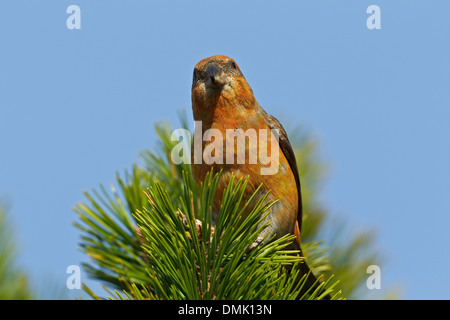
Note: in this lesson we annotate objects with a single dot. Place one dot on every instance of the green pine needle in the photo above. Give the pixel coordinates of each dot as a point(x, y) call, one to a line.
point(153, 238)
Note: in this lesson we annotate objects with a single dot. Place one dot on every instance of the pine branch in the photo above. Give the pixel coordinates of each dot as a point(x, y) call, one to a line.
point(162, 241)
point(14, 284)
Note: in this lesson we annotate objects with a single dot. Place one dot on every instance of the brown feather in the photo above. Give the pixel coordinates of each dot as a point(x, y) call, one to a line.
point(289, 154)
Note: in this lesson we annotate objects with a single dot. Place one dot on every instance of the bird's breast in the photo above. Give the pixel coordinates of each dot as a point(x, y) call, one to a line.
point(250, 150)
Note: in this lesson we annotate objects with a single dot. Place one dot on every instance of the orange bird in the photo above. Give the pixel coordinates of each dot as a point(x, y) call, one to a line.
point(223, 100)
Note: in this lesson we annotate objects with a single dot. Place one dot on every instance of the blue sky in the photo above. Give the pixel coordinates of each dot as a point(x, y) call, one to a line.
point(76, 106)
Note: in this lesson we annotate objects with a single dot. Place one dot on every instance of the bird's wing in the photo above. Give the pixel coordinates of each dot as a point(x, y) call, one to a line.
point(286, 147)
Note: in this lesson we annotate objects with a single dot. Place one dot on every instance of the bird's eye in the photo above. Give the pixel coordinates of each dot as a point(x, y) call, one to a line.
point(233, 64)
point(195, 77)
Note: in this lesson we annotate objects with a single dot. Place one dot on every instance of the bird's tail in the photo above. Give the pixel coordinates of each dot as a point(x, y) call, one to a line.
point(311, 283)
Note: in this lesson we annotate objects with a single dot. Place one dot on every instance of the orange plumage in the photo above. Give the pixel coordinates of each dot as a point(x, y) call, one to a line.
point(223, 100)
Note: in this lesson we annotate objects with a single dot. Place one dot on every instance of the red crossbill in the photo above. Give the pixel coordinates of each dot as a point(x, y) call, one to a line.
point(223, 100)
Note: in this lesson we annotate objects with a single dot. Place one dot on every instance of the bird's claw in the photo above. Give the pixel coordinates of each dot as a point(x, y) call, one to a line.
point(256, 243)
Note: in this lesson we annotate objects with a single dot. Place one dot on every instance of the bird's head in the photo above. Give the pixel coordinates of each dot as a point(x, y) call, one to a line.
point(218, 80)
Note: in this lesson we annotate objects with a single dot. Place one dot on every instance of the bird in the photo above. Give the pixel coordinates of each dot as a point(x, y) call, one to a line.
point(223, 100)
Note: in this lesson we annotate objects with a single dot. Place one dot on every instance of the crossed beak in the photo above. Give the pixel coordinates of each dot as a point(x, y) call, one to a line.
point(213, 76)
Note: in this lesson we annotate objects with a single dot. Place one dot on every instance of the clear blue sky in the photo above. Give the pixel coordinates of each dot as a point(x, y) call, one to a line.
point(76, 106)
